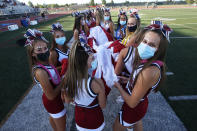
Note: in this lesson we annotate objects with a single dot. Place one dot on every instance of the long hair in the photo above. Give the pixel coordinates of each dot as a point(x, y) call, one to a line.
point(54, 44)
point(118, 24)
point(77, 70)
point(160, 54)
point(77, 23)
point(138, 23)
point(100, 15)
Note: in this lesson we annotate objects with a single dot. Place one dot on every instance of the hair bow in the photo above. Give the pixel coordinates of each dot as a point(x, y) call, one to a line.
point(158, 25)
point(56, 26)
point(31, 35)
point(75, 14)
point(134, 12)
point(107, 9)
point(122, 12)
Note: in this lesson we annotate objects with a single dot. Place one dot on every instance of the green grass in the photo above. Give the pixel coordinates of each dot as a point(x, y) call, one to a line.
point(181, 60)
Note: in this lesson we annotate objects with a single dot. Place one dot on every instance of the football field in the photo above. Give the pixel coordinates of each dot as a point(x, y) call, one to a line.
point(181, 61)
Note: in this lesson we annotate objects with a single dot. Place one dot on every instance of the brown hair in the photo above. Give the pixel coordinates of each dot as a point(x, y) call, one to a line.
point(138, 23)
point(100, 15)
point(160, 55)
point(77, 70)
point(77, 24)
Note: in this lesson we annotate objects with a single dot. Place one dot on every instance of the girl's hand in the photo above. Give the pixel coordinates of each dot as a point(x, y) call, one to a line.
point(63, 94)
point(123, 79)
point(65, 97)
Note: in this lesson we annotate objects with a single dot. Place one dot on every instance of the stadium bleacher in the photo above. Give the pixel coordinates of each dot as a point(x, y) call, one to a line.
point(13, 7)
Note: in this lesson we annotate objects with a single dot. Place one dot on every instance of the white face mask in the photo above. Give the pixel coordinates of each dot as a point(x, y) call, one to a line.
point(145, 51)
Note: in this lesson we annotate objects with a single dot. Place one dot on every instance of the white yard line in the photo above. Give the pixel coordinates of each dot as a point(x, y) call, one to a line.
point(173, 18)
point(191, 23)
point(183, 26)
point(169, 73)
point(184, 37)
point(178, 98)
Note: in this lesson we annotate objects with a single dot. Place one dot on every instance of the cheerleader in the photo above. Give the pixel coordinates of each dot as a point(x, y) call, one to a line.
point(133, 26)
point(104, 23)
point(59, 50)
point(148, 74)
point(47, 77)
point(120, 32)
point(80, 29)
point(108, 23)
point(125, 58)
point(87, 92)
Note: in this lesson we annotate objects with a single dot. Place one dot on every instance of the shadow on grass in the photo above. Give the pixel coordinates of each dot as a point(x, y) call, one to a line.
point(181, 60)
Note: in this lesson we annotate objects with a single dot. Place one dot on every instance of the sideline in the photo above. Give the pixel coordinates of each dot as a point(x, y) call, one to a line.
point(179, 98)
point(30, 114)
point(15, 106)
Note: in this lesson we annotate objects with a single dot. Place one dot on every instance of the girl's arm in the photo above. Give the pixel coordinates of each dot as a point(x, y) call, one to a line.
point(53, 58)
point(120, 63)
point(98, 88)
point(146, 79)
point(43, 78)
point(65, 96)
point(76, 34)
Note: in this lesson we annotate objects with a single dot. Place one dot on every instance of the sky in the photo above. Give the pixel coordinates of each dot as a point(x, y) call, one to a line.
point(61, 2)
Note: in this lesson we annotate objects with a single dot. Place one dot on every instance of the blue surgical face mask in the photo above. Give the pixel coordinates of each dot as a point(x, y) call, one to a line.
point(94, 64)
point(60, 41)
point(106, 18)
point(145, 51)
point(123, 22)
